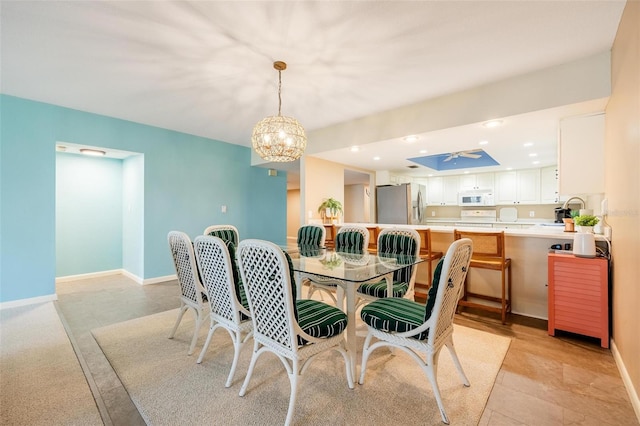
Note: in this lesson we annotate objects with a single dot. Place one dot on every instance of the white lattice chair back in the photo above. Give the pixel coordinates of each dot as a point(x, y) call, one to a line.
point(454, 270)
point(191, 289)
point(184, 262)
point(266, 276)
point(216, 271)
point(226, 232)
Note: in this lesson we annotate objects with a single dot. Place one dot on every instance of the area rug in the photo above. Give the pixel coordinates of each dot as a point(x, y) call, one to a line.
point(169, 388)
point(41, 380)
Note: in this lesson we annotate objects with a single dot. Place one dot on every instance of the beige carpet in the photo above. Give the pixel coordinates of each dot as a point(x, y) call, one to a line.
point(169, 388)
point(41, 381)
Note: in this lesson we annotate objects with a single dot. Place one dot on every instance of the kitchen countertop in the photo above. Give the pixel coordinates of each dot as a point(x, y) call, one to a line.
point(528, 250)
point(537, 231)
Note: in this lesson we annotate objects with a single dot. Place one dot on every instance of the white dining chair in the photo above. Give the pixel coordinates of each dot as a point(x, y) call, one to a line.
point(191, 289)
point(422, 330)
point(296, 331)
point(229, 308)
point(226, 232)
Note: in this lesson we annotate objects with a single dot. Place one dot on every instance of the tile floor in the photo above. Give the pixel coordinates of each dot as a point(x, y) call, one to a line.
point(566, 380)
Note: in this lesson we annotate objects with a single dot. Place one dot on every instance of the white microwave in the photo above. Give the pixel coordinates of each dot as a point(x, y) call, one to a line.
point(476, 198)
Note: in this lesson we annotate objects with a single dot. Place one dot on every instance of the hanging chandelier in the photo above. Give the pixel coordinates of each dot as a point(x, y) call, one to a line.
point(279, 138)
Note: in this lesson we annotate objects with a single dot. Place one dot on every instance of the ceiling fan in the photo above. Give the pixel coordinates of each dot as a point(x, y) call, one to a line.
point(466, 154)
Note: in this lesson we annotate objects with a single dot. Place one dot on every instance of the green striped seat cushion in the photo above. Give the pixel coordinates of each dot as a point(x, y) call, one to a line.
point(392, 244)
point(349, 241)
point(400, 315)
point(315, 318)
point(319, 319)
point(237, 278)
point(309, 235)
point(225, 235)
point(379, 289)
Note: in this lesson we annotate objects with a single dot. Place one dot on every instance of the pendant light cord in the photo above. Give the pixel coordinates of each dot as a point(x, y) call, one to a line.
point(279, 92)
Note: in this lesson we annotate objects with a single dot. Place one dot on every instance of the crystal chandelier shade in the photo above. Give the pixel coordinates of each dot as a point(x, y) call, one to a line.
point(279, 138)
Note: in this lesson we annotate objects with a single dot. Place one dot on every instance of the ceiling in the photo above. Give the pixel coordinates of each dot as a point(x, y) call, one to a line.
point(205, 67)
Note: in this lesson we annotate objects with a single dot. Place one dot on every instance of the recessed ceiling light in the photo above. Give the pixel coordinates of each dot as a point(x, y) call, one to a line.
point(355, 148)
point(483, 142)
point(527, 144)
point(93, 152)
point(533, 154)
point(376, 158)
point(535, 162)
point(423, 151)
point(466, 172)
point(509, 168)
point(492, 123)
point(430, 175)
point(411, 138)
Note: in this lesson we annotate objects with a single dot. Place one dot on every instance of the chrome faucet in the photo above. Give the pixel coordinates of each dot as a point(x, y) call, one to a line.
point(566, 203)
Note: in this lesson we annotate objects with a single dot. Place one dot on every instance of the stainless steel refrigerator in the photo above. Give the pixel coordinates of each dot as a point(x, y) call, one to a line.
point(402, 204)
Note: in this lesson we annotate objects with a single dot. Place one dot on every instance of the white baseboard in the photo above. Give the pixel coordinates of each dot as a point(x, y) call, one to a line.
point(30, 301)
point(143, 281)
point(124, 272)
point(70, 278)
point(626, 379)
point(79, 277)
point(160, 279)
point(129, 275)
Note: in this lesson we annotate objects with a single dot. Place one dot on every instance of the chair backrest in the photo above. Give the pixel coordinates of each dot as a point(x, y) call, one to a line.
point(267, 279)
point(311, 235)
point(446, 289)
point(215, 264)
point(486, 245)
point(400, 241)
point(352, 238)
point(225, 232)
point(184, 261)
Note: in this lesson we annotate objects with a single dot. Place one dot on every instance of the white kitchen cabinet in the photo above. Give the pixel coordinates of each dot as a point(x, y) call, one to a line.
point(517, 187)
point(476, 181)
point(549, 185)
point(581, 155)
point(443, 191)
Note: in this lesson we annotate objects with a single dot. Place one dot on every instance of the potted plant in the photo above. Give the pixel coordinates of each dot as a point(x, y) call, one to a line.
point(586, 222)
point(331, 209)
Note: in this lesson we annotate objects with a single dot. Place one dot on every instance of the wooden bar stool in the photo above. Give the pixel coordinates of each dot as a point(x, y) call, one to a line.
point(426, 252)
point(374, 231)
point(488, 253)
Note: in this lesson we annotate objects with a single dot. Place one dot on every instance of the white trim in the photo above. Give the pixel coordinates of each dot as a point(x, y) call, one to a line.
point(89, 275)
point(160, 279)
point(626, 379)
point(134, 277)
point(29, 301)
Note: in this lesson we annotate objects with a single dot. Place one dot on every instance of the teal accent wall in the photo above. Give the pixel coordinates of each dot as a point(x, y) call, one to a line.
point(88, 214)
point(186, 181)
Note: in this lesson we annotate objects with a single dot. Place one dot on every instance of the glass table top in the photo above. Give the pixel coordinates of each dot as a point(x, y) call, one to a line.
point(348, 266)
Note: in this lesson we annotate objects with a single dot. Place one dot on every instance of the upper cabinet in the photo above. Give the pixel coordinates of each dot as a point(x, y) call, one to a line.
point(549, 185)
point(517, 187)
point(581, 155)
point(476, 181)
point(443, 191)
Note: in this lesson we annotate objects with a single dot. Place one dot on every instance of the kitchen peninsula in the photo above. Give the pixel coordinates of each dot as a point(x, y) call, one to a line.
point(528, 249)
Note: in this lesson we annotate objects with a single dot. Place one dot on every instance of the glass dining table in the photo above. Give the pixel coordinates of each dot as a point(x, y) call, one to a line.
point(348, 270)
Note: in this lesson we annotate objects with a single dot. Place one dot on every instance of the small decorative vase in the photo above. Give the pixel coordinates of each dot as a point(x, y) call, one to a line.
point(568, 225)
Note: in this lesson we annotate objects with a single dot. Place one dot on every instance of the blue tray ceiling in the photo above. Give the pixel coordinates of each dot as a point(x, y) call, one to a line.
point(436, 162)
